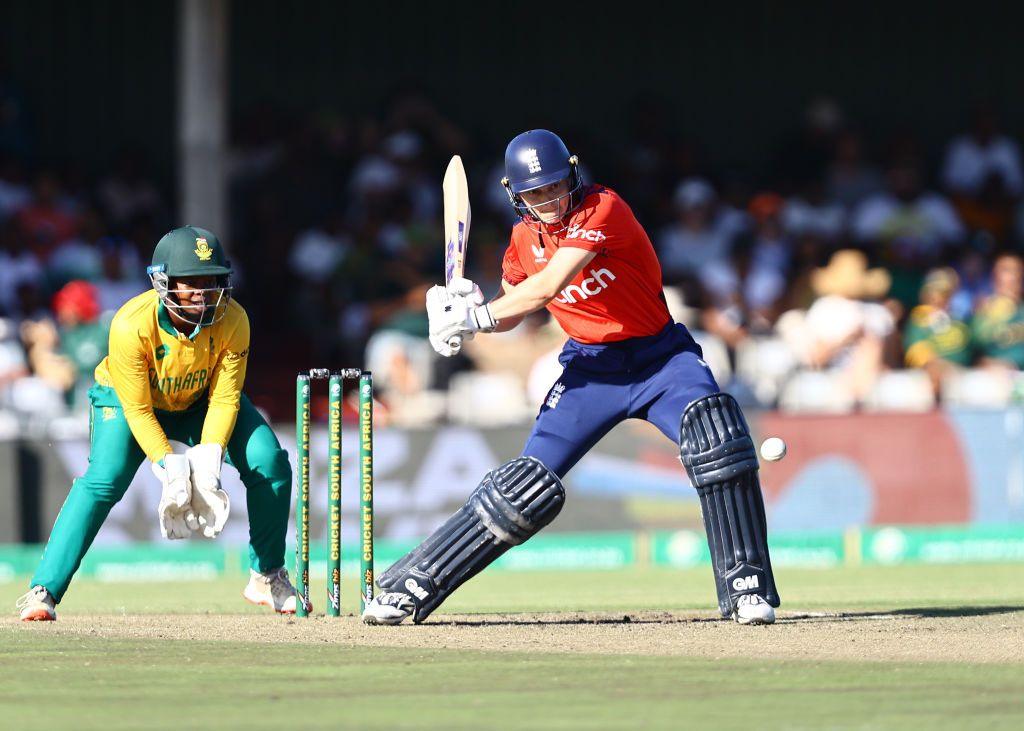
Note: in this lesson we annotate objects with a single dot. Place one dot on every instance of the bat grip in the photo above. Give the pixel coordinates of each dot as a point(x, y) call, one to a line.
point(455, 343)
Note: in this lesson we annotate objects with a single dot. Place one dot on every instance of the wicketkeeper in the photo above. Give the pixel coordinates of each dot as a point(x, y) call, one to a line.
point(174, 371)
point(579, 252)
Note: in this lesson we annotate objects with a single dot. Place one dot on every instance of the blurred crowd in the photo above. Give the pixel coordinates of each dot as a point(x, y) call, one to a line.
point(852, 272)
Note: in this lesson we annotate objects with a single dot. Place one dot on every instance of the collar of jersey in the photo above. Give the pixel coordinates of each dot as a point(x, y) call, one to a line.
point(164, 318)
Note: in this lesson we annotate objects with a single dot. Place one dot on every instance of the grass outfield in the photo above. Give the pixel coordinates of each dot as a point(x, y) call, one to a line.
point(74, 676)
point(869, 587)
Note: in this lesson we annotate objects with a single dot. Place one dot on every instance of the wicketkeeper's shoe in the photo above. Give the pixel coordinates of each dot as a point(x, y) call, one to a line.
point(37, 606)
point(391, 607)
point(753, 609)
point(273, 589)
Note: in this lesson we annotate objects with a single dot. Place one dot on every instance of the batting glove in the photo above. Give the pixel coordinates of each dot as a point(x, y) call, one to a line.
point(439, 306)
point(468, 289)
point(210, 503)
point(455, 314)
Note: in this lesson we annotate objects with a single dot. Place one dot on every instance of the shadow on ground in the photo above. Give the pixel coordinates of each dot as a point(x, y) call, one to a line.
point(909, 612)
point(587, 618)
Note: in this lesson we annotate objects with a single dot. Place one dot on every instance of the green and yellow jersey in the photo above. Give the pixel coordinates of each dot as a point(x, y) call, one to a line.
point(998, 327)
point(151, 365)
point(931, 333)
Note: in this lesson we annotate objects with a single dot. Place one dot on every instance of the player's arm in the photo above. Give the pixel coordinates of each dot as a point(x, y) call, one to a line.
point(536, 291)
point(209, 501)
point(509, 323)
point(226, 386)
point(129, 375)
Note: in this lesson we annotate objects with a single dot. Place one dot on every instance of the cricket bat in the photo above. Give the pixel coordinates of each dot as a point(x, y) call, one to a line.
point(456, 227)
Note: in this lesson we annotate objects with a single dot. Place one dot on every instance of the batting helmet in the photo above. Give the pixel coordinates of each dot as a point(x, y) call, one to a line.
point(537, 158)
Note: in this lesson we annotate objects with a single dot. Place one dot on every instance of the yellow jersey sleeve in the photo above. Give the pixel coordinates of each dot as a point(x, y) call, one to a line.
point(226, 380)
point(128, 368)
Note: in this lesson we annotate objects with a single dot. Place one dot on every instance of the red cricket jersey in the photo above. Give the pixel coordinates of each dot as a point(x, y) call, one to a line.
point(618, 294)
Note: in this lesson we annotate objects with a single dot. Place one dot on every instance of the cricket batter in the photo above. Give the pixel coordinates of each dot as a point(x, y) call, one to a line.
point(580, 252)
point(174, 371)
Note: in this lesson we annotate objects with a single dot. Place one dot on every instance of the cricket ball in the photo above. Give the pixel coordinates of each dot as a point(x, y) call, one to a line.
point(773, 449)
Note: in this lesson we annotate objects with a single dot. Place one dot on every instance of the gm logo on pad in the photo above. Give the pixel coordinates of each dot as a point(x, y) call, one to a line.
point(745, 582)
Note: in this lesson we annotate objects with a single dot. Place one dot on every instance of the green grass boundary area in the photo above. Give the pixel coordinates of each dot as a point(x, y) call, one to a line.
point(884, 546)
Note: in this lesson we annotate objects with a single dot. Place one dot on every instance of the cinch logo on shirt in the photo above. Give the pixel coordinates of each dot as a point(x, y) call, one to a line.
point(575, 232)
point(594, 284)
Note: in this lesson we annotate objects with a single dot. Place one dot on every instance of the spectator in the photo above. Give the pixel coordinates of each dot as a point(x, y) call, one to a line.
point(52, 374)
point(908, 229)
point(83, 338)
point(972, 159)
point(122, 273)
point(746, 288)
point(702, 236)
point(846, 329)
point(78, 257)
point(405, 151)
point(850, 177)
point(918, 224)
point(810, 215)
point(982, 173)
point(319, 251)
point(998, 325)
point(974, 273)
point(18, 267)
point(934, 340)
point(29, 301)
point(48, 220)
point(13, 366)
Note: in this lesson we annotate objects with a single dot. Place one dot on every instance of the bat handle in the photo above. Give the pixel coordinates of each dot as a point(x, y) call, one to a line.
point(455, 343)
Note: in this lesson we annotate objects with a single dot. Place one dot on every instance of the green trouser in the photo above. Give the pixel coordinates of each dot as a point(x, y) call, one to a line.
point(114, 458)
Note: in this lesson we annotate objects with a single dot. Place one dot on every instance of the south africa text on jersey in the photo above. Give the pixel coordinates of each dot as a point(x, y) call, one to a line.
point(194, 380)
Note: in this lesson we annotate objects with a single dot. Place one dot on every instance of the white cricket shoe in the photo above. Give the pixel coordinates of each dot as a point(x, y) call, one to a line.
point(391, 607)
point(37, 606)
point(753, 609)
point(272, 589)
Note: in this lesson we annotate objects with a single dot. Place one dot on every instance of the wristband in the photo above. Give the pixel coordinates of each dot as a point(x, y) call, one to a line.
point(483, 318)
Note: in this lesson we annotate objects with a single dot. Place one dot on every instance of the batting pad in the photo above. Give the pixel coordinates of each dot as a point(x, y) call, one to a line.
point(716, 449)
point(511, 504)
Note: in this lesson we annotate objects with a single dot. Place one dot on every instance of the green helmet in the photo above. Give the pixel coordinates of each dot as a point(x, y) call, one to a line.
point(191, 251)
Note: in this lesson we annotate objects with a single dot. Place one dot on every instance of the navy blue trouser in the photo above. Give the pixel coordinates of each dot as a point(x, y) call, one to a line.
point(652, 378)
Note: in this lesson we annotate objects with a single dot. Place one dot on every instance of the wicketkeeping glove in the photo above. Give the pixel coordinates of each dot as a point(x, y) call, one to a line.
point(210, 504)
point(175, 508)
